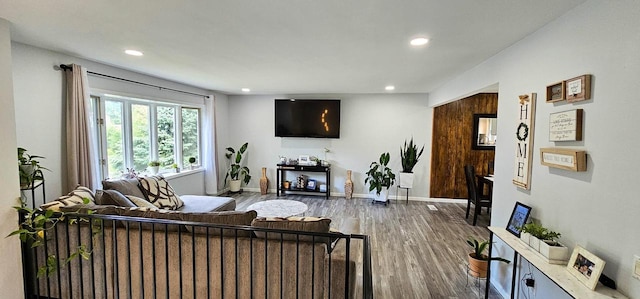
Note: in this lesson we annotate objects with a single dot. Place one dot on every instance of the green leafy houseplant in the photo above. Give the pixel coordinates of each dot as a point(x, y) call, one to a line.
point(33, 228)
point(478, 250)
point(235, 168)
point(540, 232)
point(410, 155)
point(27, 167)
point(379, 175)
point(192, 160)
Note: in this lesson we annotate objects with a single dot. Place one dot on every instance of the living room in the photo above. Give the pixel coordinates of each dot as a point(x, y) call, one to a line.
point(594, 209)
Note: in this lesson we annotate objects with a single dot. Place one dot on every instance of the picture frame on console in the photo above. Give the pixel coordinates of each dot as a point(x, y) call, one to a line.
point(586, 267)
point(518, 218)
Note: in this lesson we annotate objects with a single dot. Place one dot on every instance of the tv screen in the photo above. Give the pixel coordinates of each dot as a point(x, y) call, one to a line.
point(307, 118)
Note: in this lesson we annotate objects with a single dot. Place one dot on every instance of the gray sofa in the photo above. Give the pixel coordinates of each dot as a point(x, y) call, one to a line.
point(119, 192)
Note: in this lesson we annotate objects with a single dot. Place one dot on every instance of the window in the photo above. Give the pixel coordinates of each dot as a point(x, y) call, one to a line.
point(136, 131)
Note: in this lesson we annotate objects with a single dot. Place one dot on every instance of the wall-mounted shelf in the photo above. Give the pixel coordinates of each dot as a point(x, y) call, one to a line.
point(564, 158)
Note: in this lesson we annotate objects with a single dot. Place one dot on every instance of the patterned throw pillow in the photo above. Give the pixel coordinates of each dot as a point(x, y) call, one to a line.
point(158, 192)
point(73, 198)
point(141, 202)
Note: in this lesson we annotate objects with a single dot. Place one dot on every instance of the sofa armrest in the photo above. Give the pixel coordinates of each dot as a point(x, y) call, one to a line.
point(338, 258)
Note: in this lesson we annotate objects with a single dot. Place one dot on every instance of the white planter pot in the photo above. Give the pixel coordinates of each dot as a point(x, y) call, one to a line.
point(406, 180)
point(234, 185)
point(534, 243)
point(154, 169)
point(525, 237)
point(559, 253)
point(382, 197)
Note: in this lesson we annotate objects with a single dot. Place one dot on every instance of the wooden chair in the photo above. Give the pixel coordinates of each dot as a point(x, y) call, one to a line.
point(474, 195)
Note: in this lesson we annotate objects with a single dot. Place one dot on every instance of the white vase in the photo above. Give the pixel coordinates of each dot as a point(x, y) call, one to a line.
point(406, 180)
point(154, 169)
point(551, 252)
point(234, 185)
point(382, 197)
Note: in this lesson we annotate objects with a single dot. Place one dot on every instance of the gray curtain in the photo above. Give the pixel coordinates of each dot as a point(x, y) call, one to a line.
point(81, 168)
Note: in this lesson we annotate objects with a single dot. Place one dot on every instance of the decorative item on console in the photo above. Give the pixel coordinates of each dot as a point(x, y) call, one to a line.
point(544, 241)
point(302, 181)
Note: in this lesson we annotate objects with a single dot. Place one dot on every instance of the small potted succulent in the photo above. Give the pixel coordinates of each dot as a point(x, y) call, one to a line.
point(154, 166)
point(175, 168)
point(478, 261)
point(192, 161)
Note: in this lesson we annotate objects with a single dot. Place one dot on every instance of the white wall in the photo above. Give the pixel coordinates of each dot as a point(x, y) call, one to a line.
point(10, 258)
point(40, 103)
point(597, 209)
point(370, 125)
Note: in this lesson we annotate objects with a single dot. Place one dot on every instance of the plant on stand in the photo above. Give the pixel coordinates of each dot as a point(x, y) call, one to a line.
point(236, 169)
point(192, 161)
point(478, 261)
point(28, 165)
point(380, 178)
point(409, 156)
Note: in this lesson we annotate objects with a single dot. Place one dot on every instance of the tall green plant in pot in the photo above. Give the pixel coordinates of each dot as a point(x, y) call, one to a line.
point(236, 169)
point(409, 156)
point(380, 178)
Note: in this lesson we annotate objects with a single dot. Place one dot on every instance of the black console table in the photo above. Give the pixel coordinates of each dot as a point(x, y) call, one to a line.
point(281, 169)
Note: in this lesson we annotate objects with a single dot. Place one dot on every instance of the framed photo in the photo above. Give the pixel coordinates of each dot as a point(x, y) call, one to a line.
point(518, 218)
point(556, 92)
point(586, 267)
point(303, 159)
point(311, 185)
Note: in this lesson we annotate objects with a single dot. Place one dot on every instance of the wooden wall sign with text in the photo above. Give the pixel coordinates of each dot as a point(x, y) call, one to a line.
point(565, 125)
point(564, 158)
point(524, 140)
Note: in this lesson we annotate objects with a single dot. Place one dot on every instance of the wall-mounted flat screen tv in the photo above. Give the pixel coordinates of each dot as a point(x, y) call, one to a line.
point(307, 118)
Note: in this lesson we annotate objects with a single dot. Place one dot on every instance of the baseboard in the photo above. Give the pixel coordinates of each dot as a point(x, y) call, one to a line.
point(368, 196)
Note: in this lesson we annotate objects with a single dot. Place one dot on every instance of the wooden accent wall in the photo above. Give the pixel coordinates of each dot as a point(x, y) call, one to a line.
point(451, 144)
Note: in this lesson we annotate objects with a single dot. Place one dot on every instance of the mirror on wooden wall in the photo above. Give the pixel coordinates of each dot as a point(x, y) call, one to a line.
point(485, 128)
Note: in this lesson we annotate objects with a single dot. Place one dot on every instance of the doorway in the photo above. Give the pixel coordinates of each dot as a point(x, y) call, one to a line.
point(453, 142)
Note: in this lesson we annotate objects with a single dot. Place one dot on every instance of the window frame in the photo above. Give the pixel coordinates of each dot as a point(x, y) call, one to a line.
point(126, 100)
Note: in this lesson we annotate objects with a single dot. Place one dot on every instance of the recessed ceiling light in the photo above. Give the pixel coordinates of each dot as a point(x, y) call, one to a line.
point(133, 52)
point(390, 87)
point(246, 90)
point(419, 41)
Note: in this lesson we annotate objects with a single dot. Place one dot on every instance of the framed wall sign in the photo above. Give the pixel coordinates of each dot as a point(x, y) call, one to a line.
point(524, 140)
point(578, 88)
point(556, 92)
point(564, 158)
point(565, 125)
point(586, 267)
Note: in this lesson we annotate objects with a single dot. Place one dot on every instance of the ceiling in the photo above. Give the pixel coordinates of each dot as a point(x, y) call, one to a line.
point(284, 46)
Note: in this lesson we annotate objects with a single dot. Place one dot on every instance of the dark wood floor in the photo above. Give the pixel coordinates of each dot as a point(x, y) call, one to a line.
point(416, 252)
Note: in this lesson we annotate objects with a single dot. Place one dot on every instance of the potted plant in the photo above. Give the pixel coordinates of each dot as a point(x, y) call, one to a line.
point(236, 169)
point(409, 156)
point(534, 233)
point(154, 166)
point(546, 242)
point(27, 167)
point(175, 167)
point(192, 160)
point(478, 261)
point(380, 178)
